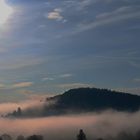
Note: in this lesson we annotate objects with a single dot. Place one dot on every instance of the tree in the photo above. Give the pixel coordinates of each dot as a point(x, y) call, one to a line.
point(35, 137)
point(81, 135)
point(19, 111)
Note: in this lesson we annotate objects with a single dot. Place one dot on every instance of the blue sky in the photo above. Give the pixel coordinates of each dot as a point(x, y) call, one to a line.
point(49, 46)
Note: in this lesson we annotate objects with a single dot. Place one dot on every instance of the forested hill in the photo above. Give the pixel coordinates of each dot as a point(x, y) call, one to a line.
point(94, 99)
point(82, 100)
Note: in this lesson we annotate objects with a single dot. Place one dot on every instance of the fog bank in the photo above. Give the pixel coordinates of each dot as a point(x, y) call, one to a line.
point(108, 123)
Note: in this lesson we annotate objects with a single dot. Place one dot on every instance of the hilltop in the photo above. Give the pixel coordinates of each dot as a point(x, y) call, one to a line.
point(82, 100)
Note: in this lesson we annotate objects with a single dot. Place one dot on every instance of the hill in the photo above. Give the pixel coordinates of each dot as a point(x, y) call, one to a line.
point(96, 99)
point(82, 100)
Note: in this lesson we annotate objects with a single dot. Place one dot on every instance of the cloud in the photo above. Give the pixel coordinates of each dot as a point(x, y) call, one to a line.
point(2, 86)
point(47, 79)
point(74, 85)
point(125, 10)
point(14, 86)
point(79, 5)
point(17, 62)
point(55, 15)
point(67, 75)
point(137, 80)
point(22, 84)
point(7, 12)
point(118, 15)
point(85, 3)
point(135, 90)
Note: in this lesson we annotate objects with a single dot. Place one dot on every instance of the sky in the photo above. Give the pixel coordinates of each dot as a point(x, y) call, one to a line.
point(49, 46)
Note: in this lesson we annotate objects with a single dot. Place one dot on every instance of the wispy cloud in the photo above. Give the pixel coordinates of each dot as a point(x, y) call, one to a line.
point(55, 77)
point(22, 84)
point(16, 85)
point(79, 5)
point(137, 80)
point(85, 3)
point(47, 79)
point(67, 75)
point(18, 62)
point(135, 90)
point(120, 14)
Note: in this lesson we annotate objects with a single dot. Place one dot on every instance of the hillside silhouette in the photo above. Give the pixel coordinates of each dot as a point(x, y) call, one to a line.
point(83, 100)
point(96, 99)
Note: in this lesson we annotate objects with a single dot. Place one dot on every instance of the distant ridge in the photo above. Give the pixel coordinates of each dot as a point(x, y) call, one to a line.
point(96, 99)
point(82, 100)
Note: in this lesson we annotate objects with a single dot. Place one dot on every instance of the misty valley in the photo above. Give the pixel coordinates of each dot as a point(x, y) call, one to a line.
point(100, 113)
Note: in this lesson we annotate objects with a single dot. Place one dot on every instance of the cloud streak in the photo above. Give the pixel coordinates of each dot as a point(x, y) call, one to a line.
point(16, 85)
point(18, 62)
point(67, 75)
point(22, 84)
point(118, 15)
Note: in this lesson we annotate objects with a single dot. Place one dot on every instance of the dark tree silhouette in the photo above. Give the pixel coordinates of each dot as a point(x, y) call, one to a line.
point(100, 139)
point(35, 137)
point(6, 137)
point(81, 135)
point(19, 111)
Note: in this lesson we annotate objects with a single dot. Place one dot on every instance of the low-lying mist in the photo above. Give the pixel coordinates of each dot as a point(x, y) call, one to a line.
point(10, 107)
point(108, 124)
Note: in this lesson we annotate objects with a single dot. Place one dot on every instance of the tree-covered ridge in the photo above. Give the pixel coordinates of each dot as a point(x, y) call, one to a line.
point(97, 99)
point(82, 100)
